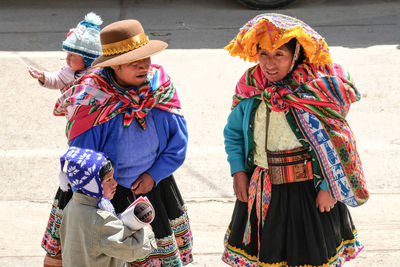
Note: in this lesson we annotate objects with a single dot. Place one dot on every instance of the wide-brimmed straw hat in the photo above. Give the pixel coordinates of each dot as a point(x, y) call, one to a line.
point(125, 41)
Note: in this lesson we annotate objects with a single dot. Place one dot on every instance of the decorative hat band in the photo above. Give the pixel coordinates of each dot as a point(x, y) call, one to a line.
point(125, 45)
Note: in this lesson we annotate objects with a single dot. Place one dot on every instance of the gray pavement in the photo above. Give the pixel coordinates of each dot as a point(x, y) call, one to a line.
point(39, 25)
point(31, 139)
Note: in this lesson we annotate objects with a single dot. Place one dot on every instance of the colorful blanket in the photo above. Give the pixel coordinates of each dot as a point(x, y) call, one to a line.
point(91, 101)
point(319, 98)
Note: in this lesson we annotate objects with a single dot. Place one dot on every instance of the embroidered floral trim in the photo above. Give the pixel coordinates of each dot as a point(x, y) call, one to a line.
point(237, 257)
point(51, 239)
point(173, 250)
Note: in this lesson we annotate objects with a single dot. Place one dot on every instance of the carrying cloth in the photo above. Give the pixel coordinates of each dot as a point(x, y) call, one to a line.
point(319, 99)
point(91, 101)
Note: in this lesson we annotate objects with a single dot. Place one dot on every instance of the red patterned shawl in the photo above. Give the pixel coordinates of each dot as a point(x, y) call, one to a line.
point(91, 101)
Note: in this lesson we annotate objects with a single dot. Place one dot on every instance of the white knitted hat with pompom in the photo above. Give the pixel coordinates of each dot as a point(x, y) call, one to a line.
point(85, 38)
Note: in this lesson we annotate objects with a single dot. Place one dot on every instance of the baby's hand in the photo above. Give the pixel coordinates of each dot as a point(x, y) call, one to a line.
point(37, 74)
point(324, 201)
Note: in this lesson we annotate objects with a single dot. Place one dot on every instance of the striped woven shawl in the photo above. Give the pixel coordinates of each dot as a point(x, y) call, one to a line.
point(91, 101)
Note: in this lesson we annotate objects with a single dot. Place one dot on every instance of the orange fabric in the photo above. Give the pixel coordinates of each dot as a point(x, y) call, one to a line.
point(270, 31)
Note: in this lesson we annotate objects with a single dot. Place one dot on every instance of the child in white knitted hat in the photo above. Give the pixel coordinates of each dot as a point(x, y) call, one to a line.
point(83, 47)
point(91, 234)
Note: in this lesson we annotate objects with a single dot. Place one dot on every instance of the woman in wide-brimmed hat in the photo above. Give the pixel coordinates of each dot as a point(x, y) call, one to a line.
point(130, 111)
point(292, 155)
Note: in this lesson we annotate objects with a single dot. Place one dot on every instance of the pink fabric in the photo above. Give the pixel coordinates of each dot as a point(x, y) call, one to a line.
point(63, 77)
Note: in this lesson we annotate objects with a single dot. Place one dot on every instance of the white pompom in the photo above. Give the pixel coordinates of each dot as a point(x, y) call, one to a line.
point(93, 18)
point(63, 181)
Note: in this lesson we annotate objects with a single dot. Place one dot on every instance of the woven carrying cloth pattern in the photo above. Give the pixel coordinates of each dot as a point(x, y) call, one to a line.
point(270, 31)
point(91, 101)
point(319, 98)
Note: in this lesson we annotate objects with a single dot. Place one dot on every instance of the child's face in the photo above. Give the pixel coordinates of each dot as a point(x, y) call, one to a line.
point(275, 65)
point(75, 61)
point(132, 74)
point(109, 185)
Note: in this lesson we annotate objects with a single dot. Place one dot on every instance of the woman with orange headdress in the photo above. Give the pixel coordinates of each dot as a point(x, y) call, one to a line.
point(292, 154)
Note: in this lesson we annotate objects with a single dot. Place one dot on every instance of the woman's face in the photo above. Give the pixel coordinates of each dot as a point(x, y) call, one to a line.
point(109, 185)
point(75, 61)
point(132, 74)
point(275, 65)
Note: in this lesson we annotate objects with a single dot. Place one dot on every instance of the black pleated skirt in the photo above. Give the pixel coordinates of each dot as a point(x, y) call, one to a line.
point(295, 232)
point(171, 225)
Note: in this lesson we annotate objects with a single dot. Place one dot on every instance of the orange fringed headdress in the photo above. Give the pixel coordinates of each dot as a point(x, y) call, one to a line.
point(271, 31)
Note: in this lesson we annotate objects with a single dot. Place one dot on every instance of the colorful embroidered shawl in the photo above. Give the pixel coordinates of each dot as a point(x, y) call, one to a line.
point(319, 98)
point(91, 101)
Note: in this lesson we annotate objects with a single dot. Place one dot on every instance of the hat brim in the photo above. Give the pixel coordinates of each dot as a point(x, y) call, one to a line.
point(151, 48)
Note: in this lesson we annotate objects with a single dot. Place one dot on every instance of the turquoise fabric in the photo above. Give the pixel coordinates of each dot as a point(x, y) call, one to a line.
point(238, 135)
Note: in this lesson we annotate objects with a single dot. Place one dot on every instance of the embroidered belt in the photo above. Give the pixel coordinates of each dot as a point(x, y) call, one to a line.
point(289, 166)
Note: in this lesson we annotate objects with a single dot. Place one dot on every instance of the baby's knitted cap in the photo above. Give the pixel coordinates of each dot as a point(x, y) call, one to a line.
point(85, 38)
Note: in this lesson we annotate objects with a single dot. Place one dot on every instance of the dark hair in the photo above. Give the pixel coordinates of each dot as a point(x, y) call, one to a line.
point(107, 166)
point(291, 45)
